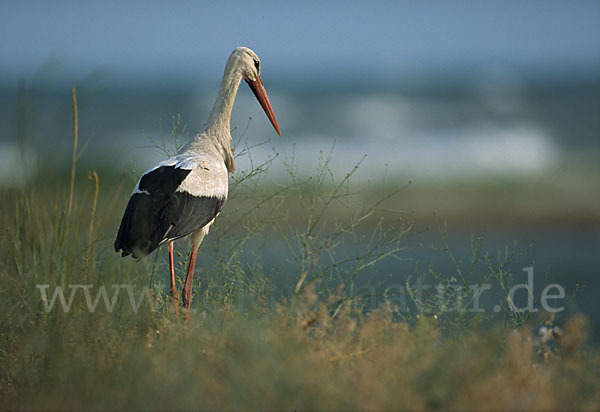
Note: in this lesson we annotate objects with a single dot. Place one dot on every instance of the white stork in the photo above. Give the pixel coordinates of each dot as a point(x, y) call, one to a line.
point(183, 195)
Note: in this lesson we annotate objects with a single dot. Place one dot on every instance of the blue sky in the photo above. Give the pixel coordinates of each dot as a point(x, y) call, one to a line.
point(192, 37)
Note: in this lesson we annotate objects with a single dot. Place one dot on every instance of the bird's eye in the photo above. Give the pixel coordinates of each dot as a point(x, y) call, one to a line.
point(257, 64)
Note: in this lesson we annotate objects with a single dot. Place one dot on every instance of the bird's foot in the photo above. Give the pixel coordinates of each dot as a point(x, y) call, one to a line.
point(174, 296)
point(186, 301)
point(186, 298)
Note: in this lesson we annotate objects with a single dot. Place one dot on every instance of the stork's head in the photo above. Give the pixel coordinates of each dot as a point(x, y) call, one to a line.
point(248, 63)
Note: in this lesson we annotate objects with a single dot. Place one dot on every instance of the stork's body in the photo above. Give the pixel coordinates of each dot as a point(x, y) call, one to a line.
point(183, 194)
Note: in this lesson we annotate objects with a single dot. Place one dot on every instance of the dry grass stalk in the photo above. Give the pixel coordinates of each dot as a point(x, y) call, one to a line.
point(90, 241)
point(74, 161)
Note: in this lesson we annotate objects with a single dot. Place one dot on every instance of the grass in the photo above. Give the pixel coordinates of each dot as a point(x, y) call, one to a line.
point(299, 338)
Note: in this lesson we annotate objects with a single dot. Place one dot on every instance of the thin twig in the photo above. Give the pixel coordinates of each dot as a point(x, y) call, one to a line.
point(90, 242)
point(74, 162)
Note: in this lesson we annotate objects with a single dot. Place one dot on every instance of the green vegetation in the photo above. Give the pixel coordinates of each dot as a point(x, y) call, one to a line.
point(301, 337)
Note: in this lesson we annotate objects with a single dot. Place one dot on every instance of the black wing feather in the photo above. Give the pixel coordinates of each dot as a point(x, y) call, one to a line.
point(186, 213)
point(163, 213)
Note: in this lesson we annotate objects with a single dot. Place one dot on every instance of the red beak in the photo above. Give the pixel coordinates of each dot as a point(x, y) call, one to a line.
point(261, 94)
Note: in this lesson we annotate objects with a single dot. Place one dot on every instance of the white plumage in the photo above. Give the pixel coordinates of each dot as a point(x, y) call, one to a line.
point(183, 194)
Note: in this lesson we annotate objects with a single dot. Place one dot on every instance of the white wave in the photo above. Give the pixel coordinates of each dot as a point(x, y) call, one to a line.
point(478, 153)
point(16, 168)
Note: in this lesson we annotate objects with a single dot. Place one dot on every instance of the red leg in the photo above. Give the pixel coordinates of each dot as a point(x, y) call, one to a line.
point(172, 269)
point(186, 294)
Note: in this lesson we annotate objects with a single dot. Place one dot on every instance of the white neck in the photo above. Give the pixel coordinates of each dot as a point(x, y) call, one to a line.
point(220, 116)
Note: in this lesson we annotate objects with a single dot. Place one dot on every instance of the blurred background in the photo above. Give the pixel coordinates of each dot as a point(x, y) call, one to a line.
point(491, 108)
